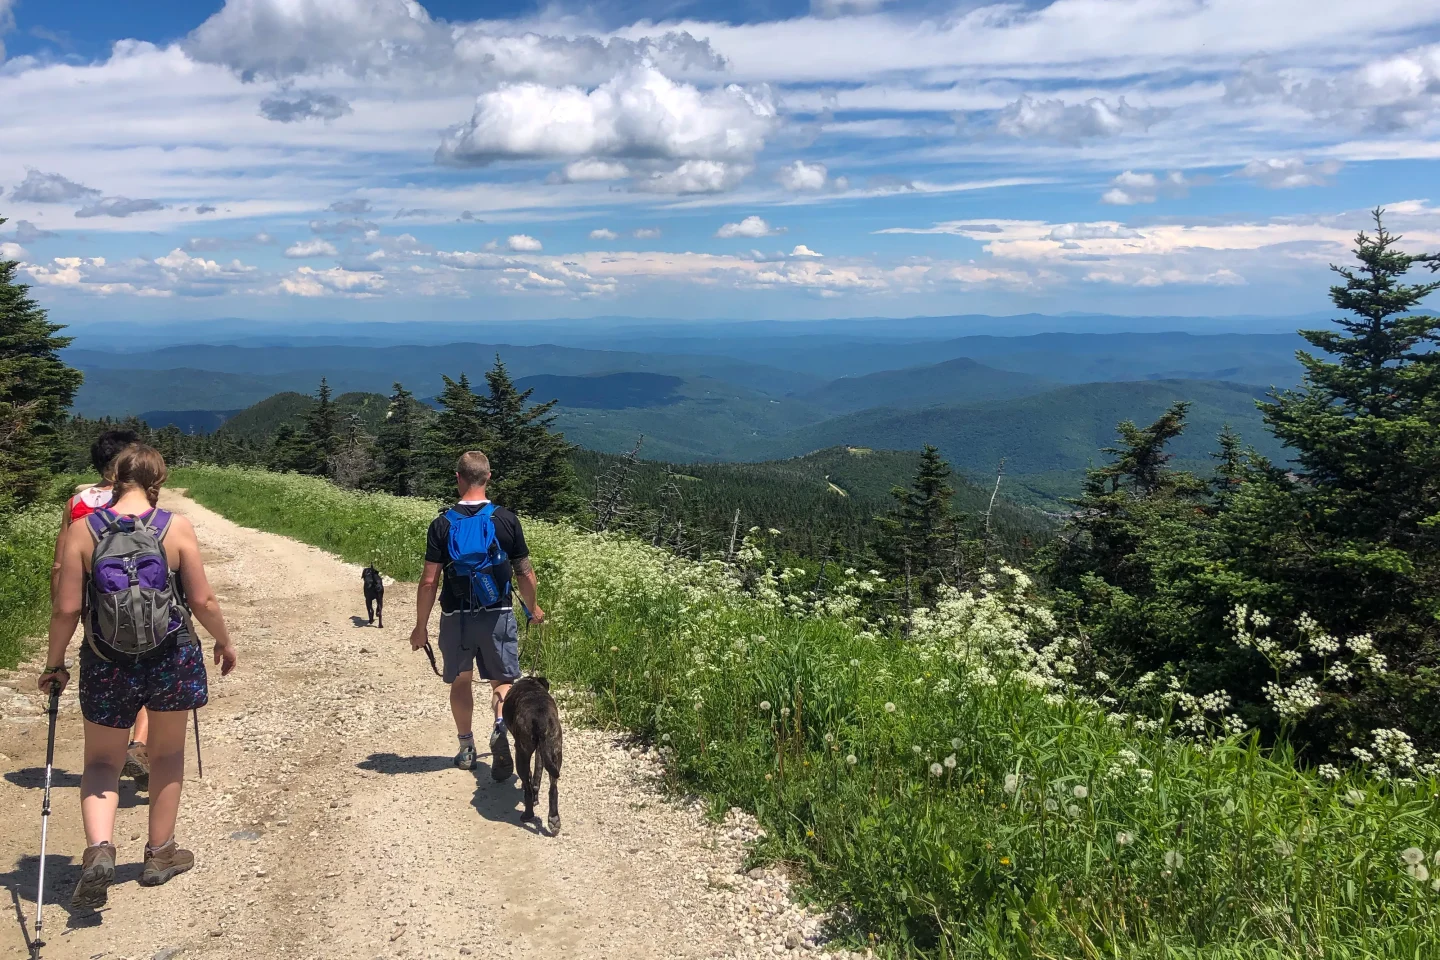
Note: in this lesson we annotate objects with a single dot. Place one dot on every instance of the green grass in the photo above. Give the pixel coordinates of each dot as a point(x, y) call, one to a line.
point(27, 549)
point(1014, 846)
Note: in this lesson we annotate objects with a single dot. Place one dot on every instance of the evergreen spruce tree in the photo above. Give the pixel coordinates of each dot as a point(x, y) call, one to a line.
point(290, 451)
point(322, 434)
point(530, 462)
point(395, 446)
point(458, 427)
point(36, 387)
point(1361, 548)
point(917, 537)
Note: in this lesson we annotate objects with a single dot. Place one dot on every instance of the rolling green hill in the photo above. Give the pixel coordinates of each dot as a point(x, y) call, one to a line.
point(1051, 436)
point(961, 380)
point(818, 501)
point(707, 419)
point(259, 422)
point(605, 391)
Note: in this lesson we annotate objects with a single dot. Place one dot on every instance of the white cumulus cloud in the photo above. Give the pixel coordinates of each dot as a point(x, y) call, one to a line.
point(523, 243)
point(39, 187)
point(593, 169)
point(1131, 188)
point(803, 176)
point(1058, 120)
point(604, 233)
point(304, 249)
point(751, 226)
point(803, 251)
point(639, 113)
point(1289, 172)
point(695, 176)
point(309, 282)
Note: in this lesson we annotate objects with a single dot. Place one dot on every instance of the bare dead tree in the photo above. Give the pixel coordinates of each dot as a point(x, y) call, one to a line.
point(613, 504)
point(734, 533)
point(990, 510)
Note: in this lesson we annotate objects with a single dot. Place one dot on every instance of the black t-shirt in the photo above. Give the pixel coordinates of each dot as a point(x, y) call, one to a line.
point(455, 591)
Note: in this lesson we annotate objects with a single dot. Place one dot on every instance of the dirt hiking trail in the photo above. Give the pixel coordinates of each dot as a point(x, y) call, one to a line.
point(332, 823)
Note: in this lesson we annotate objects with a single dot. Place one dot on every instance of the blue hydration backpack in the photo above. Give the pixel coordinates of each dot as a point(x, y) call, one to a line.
point(475, 554)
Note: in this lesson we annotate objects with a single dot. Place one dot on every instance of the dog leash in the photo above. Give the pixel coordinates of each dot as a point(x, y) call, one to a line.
point(430, 652)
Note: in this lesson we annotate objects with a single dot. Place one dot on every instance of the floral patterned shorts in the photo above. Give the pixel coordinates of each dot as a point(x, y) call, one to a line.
point(112, 692)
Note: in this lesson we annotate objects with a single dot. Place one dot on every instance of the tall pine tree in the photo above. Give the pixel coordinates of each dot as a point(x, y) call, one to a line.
point(458, 427)
point(1360, 550)
point(322, 434)
point(530, 461)
point(36, 387)
point(918, 536)
point(395, 446)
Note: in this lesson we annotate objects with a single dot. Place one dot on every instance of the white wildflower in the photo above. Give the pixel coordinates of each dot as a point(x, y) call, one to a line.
point(1328, 771)
point(1012, 783)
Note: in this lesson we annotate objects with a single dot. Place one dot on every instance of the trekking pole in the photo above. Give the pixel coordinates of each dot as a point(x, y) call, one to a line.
point(54, 711)
point(199, 760)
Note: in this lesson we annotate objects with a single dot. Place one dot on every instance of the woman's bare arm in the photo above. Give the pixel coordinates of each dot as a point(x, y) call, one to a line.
point(67, 586)
point(198, 592)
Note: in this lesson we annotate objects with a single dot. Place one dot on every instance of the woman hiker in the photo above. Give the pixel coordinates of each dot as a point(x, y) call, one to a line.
point(133, 539)
point(87, 499)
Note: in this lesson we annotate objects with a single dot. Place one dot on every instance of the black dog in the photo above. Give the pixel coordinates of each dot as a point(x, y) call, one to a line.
point(374, 594)
point(534, 719)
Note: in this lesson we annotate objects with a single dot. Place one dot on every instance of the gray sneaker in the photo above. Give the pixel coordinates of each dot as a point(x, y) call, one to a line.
point(465, 759)
point(502, 765)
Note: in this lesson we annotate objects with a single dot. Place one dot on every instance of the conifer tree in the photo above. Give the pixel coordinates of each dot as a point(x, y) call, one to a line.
point(290, 450)
point(395, 446)
point(36, 387)
point(917, 538)
point(322, 436)
point(458, 427)
point(530, 462)
point(1360, 550)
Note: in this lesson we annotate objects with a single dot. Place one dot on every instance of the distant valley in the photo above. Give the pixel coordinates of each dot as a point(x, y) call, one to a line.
point(1045, 403)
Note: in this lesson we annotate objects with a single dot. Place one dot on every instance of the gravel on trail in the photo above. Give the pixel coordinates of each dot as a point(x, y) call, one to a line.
point(331, 821)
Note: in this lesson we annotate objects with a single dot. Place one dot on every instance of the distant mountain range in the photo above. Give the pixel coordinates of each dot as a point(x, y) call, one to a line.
point(1046, 403)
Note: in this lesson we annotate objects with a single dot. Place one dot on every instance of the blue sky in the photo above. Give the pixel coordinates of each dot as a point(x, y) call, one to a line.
point(383, 159)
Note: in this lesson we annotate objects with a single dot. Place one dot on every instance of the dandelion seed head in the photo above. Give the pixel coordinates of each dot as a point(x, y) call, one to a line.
point(915, 749)
point(1072, 811)
point(1411, 856)
point(851, 759)
point(950, 765)
point(1419, 871)
point(936, 769)
point(664, 738)
point(1174, 859)
point(955, 744)
point(1012, 783)
point(614, 649)
point(1123, 839)
point(889, 707)
point(1081, 791)
point(764, 706)
point(784, 711)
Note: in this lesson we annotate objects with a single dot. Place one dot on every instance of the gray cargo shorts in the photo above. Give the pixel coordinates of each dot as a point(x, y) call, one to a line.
point(489, 638)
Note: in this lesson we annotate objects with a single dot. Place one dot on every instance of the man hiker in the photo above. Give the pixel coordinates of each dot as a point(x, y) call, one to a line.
point(87, 499)
point(480, 548)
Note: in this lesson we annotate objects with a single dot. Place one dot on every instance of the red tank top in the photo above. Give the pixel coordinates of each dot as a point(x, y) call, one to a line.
point(89, 500)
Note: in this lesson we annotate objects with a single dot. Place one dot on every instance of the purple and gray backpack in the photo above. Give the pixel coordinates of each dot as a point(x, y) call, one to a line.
point(134, 602)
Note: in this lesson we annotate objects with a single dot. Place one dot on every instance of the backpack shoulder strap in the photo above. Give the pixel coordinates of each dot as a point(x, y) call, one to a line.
point(159, 523)
point(453, 515)
point(99, 522)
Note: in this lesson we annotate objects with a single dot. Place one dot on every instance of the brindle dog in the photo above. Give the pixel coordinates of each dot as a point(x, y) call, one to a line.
point(533, 719)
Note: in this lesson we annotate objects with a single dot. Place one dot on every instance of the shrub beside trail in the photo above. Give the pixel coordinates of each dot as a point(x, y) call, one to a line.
point(949, 790)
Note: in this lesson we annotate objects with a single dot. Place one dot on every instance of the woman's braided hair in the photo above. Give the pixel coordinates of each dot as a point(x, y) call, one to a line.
point(139, 467)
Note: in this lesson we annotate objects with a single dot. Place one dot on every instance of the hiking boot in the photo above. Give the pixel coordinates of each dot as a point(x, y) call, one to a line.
point(137, 766)
point(97, 870)
point(465, 759)
point(501, 763)
point(164, 862)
